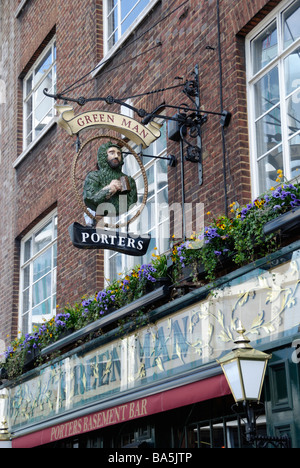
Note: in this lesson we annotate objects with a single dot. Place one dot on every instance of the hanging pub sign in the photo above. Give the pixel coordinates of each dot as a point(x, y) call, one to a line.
point(130, 128)
point(108, 193)
point(85, 237)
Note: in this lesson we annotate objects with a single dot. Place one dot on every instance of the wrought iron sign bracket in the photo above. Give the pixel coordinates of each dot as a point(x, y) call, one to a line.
point(185, 124)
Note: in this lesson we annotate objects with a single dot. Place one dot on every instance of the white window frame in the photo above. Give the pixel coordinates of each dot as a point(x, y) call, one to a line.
point(121, 37)
point(28, 264)
point(129, 262)
point(252, 78)
point(32, 94)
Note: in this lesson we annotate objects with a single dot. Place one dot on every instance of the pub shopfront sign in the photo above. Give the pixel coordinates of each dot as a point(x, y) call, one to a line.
point(265, 301)
point(108, 193)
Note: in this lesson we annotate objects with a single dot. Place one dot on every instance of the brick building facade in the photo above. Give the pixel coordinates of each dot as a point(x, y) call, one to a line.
point(159, 53)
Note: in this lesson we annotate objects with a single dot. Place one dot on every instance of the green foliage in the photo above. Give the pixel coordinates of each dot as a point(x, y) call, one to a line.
point(240, 237)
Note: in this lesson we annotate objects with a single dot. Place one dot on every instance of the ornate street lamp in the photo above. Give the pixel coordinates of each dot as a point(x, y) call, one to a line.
point(245, 368)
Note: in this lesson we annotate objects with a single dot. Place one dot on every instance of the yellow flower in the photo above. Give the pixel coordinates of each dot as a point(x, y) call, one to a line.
point(208, 213)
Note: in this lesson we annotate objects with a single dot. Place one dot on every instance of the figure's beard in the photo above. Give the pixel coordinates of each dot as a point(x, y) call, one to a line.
point(114, 163)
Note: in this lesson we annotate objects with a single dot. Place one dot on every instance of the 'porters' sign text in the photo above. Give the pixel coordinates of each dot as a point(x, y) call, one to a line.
point(84, 237)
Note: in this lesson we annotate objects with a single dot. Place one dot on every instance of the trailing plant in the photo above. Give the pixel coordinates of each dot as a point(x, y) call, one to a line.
point(240, 237)
point(118, 293)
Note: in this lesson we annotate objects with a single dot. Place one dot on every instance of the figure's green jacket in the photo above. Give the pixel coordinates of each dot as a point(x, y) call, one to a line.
point(95, 194)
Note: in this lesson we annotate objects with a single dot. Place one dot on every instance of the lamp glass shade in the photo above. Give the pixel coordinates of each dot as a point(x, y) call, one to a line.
point(232, 374)
point(245, 377)
point(253, 373)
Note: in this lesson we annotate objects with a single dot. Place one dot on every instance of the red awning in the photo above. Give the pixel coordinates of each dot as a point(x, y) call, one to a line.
point(170, 399)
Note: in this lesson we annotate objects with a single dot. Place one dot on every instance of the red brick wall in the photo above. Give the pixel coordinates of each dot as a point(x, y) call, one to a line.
point(42, 180)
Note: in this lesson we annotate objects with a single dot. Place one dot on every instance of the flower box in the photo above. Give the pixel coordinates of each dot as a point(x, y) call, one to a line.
point(287, 222)
point(30, 358)
point(164, 281)
point(111, 318)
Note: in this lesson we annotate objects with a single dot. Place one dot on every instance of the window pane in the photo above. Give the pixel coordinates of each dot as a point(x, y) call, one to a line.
point(38, 109)
point(42, 119)
point(28, 117)
point(55, 227)
point(28, 85)
point(153, 243)
point(28, 108)
point(162, 173)
point(266, 92)
point(115, 266)
point(112, 23)
point(41, 290)
point(39, 276)
point(25, 299)
point(42, 310)
point(42, 238)
point(26, 277)
point(164, 236)
point(27, 250)
point(54, 282)
point(291, 21)
point(150, 177)
point(54, 255)
point(294, 145)
point(131, 165)
point(130, 10)
point(25, 324)
point(292, 72)
point(268, 131)
point(265, 47)
point(268, 167)
point(39, 93)
point(42, 265)
point(43, 67)
point(111, 5)
point(163, 207)
point(293, 114)
point(161, 143)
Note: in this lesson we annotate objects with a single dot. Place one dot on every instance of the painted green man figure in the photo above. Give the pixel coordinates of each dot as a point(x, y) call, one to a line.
point(107, 184)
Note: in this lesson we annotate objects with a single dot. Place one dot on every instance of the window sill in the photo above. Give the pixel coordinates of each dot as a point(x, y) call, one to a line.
point(34, 143)
point(110, 54)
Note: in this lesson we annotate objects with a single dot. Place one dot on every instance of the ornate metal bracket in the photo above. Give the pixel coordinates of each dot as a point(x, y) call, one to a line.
point(189, 120)
point(259, 441)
